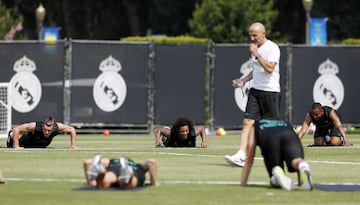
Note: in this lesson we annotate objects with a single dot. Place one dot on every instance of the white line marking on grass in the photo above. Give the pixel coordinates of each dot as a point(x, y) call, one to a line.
point(126, 151)
point(45, 180)
point(333, 162)
point(164, 182)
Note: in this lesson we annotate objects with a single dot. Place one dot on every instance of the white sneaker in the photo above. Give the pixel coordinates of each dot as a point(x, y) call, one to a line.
point(274, 182)
point(125, 171)
point(95, 168)
point(284, 181)
point(234, 160)
point(305, 180)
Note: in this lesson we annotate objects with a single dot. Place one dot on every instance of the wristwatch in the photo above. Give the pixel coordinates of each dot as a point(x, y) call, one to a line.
point(257, 56)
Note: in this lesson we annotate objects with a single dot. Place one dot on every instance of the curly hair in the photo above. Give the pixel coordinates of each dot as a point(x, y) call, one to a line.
point(180, 122)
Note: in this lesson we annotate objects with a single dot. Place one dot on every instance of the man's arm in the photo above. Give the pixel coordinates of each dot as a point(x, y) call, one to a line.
point(152, 166)
point(268, 66)
point(21, 129)
point(200, 130)
point(70, 130)
point(304, 126)
point(251, 147)
point(240, 82)
point(161, 131)
point(337, 123)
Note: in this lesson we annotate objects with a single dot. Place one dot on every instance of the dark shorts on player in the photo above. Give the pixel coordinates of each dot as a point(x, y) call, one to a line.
point(263, 104)
point(322, 132)
point(28, 140)
point(140, 175)
point(139, 172)
point(278, 143)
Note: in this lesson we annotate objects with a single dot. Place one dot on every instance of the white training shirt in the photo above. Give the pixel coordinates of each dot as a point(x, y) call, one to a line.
point(262, 80)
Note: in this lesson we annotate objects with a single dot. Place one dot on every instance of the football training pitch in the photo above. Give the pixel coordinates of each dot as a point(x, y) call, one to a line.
point(186, 175)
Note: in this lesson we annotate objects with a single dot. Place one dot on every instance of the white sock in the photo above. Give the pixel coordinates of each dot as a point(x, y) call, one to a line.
point(240, 154)
point(304, 166)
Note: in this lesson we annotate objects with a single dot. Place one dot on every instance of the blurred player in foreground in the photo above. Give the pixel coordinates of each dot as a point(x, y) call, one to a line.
point(182, 134)
point(327, 123)
point(278, 143)
point(39, 134)
point(119, 172)
point(2, 178)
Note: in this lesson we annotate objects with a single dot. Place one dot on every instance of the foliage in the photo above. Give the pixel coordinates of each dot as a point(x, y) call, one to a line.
point(351, 41)
point(9, 19)
point(184, 39)
point(227, 21)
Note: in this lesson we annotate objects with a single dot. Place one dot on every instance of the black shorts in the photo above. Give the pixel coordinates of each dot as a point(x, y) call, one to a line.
point(263, 104)
point(114, 166)
point(139, 172)
point(279, 144)
point(322, 132)
point(140, 175)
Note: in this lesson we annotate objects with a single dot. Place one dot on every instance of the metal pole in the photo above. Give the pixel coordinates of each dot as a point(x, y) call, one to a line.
point(307, 27)
point(40, 26)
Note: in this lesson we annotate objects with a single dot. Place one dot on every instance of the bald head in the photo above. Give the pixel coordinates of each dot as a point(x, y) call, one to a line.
point(257, 33)
point(257, 26)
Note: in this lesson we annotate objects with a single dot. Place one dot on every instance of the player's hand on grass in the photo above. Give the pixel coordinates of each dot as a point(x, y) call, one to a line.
point(348, 144)
point(204, 145)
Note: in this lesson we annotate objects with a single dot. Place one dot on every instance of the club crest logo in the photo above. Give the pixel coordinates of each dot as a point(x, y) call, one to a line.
point(25, 85)
point(241, 94)
point(328, 88)
point(109, 89)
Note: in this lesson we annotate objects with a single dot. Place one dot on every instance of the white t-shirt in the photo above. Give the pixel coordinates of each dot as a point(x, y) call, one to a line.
point(262, 80)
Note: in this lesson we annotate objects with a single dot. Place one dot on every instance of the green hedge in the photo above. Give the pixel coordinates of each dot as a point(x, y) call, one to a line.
point(351, 41)
point(168, 39)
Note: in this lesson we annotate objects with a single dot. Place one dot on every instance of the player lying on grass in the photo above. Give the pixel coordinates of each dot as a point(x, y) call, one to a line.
point(327, 123)
point(39, 134)
point(278, 143)
point(119, 172)
point(182, 134)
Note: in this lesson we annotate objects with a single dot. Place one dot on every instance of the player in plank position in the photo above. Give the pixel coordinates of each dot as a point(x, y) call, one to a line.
point(39, 134)
point(182, 134)
point(278, 143)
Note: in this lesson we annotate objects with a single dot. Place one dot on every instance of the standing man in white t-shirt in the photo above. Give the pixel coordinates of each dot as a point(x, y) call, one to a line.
point(264, 95)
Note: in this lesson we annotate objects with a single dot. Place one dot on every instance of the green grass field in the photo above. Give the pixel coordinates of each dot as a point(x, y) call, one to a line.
point(187, 176)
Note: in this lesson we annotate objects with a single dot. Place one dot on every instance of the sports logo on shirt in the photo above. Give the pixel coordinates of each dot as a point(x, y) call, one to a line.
point(109, 89)
point(25, 86)
point(328, 88)
point(241, 94)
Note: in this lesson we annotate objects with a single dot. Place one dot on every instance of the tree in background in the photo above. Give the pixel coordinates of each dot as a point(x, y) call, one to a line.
point(10, 23)
point(227, 21)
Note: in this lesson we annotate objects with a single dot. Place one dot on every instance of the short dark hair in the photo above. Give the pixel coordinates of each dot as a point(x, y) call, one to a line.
point(316, 105)
point(49, 121)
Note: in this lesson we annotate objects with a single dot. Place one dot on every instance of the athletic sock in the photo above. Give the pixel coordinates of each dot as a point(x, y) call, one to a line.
point(304, 166)
point(240, 154)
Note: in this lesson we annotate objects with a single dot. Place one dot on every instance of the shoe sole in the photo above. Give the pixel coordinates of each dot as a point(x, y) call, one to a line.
point(284, 181)
point(232, 163)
